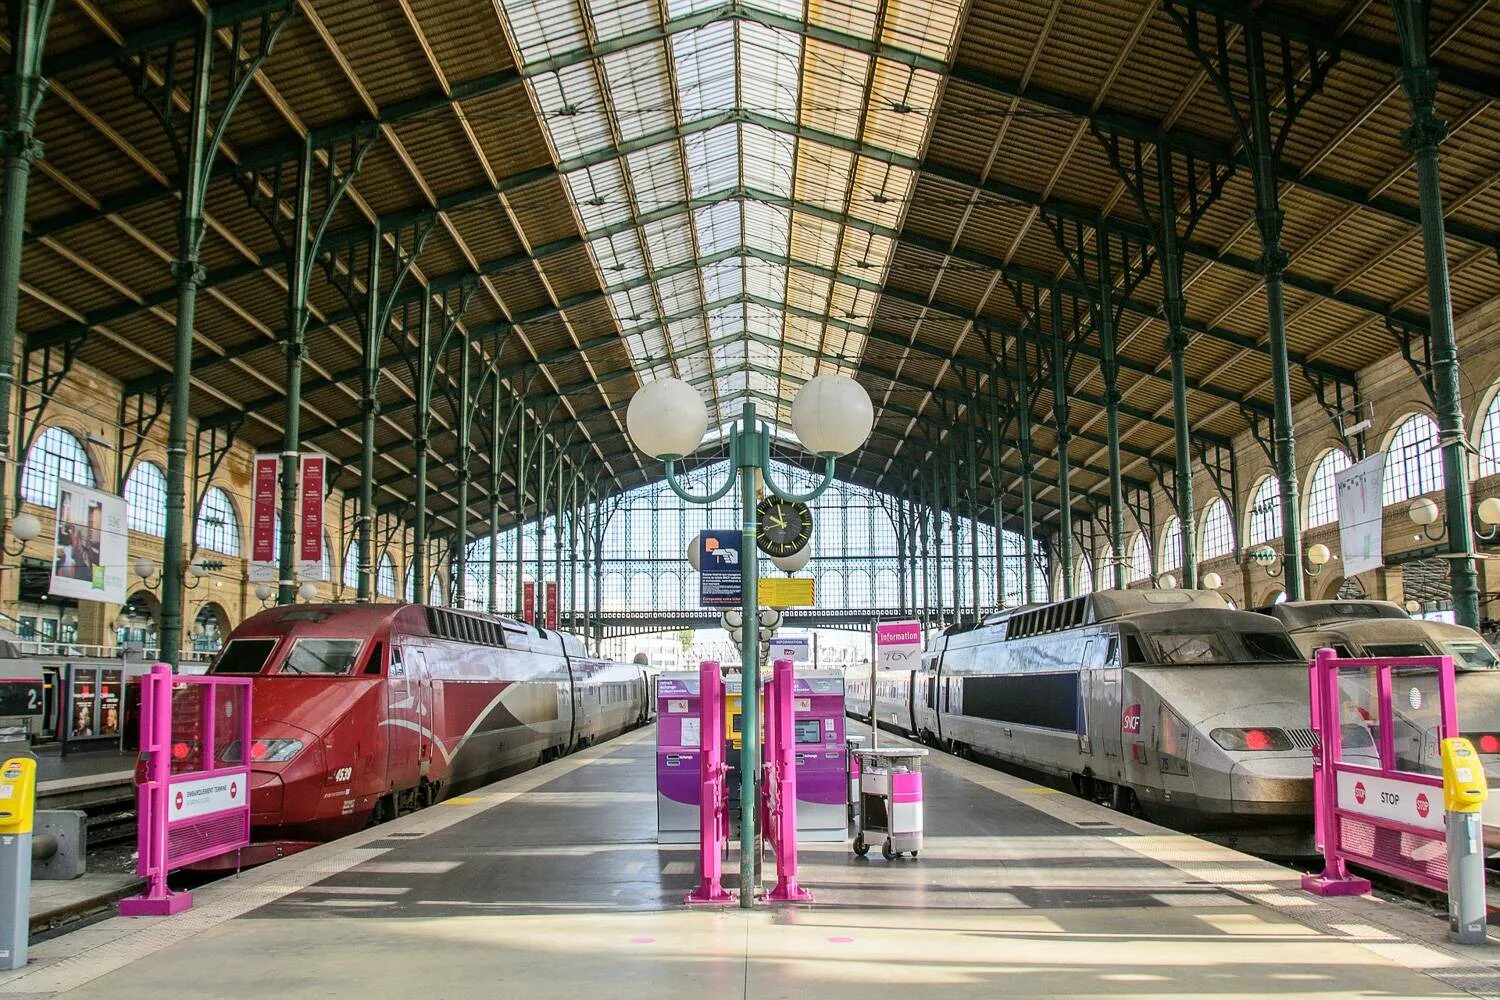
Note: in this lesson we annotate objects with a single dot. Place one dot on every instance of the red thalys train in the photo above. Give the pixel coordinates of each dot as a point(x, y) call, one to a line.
point(365, 711)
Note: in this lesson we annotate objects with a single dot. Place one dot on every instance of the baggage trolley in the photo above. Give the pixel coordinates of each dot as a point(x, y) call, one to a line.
point(890, 800)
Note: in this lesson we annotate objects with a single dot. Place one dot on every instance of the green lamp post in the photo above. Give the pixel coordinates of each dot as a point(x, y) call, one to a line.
point(831, 416)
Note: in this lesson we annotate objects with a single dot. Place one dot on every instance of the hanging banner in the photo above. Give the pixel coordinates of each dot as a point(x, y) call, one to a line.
point(719, 582)
point(1361, 514)
point(552, 604)
point(528, 602)
point(263, 554)
point(310, 530)
point(89, 560)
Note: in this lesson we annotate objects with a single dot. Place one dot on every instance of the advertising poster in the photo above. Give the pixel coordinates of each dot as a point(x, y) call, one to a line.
point(719, 581)
point(89, 560)
point(263, 554)
point(552, 604)
point(310, 530)
point(1361, 514)
point(528, 602)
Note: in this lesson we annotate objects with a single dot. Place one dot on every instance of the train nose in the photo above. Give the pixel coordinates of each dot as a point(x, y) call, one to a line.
point(1272, 785)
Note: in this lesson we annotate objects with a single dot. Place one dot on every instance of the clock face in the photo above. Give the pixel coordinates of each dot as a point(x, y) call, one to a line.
point(783, 527)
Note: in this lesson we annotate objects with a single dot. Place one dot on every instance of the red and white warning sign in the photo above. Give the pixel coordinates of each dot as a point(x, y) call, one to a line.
point(1391, 799)
point(201, 796)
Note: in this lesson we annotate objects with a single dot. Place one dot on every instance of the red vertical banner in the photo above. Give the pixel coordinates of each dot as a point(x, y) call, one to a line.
point(552, 604)
point(263, 552)
point(528, 602)
point(310, 530)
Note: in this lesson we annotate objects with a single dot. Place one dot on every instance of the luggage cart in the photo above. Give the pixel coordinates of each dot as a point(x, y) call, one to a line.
point(890, 800)
point(851, 796)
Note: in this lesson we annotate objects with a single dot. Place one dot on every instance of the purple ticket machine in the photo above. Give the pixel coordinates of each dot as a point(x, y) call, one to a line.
point(678, 748)
point(822, 773)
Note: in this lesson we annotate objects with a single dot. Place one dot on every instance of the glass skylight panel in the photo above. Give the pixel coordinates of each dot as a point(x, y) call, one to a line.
point(807, 291)
point(636, 306)
point(687, 333)
point(786, 8)
point(767, 226)
point(764, 279)
point(814, 240)
point(833, 88)
point(668, 241)
point(619, 257)
point(573, 111)
point(853, 17)
point(724, 279)
point(761, 382)
point(903, 103)
point(768, 70)
point(599, 193)
point(802, 330)
point(763, 321)
point(544, 28)
point(704, 62)
point(768, 161)
point(881, 192)
point(656, 175)
point(927, 28)
point(713, 160)
point(640, 90)
point(679, 292)
point(732, 383)
point(615, 18)
point(718, 227)
point(823, 175)
point(730, 354)
point(680, 8)
point(866, 255)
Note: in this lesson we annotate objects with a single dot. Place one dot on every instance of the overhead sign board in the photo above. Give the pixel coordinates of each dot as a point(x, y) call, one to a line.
point(1361, 509)
point(786, 592)
point(263, 554)
point(719, 582)
point(898, 644)
point(796, 648)
point(89, 559)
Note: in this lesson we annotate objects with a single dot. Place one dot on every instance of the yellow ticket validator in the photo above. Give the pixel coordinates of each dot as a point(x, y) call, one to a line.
point(17, 796)
point(1464, 786)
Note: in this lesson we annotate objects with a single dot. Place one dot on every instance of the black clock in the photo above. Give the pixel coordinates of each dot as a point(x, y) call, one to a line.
point(784, 527)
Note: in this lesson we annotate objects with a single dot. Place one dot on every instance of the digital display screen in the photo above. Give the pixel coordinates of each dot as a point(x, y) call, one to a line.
point(809, 731)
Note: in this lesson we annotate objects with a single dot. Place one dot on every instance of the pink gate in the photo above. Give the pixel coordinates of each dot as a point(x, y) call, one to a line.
point(195, 801)
point(1377, 780)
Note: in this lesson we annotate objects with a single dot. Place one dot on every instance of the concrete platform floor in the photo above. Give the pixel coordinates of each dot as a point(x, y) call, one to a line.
point(550, 884)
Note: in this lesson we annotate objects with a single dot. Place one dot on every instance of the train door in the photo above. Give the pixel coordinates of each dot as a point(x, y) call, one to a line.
point(406, 742)
point(1104, 694)
point(427, 723)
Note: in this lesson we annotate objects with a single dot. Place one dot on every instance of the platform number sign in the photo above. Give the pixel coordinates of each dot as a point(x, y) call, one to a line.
point(720, 584)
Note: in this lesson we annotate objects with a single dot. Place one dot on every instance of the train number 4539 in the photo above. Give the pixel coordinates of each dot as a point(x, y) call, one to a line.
point(343, 774)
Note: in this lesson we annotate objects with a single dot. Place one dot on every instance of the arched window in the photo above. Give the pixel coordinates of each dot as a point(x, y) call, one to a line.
point(1265, 511)
point(146, 499)
point(1140, 559)
point(1413, 465)
point(218, 525)
point(435, 593)
point(1489, 439)
point(56, 455)
point(1171, 545)
point(351, 565)
point(385, 577)
point(1083, 583)
point(1322, 489)
point(1218, 531)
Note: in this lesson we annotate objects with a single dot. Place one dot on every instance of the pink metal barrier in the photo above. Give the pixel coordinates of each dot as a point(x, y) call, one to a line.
point(195, 801)
point(1377, 780)
point(713, 811)
point(781, 782)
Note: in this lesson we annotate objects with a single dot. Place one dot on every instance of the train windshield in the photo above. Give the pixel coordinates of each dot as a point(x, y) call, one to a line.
point(321, 656)
point(1224, 647)
point(1474, 654)
point(243, 656)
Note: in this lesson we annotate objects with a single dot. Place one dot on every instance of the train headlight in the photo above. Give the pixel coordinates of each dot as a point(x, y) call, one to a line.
point(274, 751)
point(1251, 739)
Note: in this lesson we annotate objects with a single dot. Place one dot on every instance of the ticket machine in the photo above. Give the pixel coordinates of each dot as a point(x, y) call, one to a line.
point(678, 747)
point(822, 773)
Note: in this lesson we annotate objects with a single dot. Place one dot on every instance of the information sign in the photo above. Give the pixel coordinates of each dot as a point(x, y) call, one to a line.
point(719, 582)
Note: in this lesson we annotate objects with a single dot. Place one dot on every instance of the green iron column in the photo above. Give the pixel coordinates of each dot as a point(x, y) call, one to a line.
point(294, 347)
point(521, 463)
point(1110, 369)
point(24, 89)
point(953, 534)
point(424, 406)
point(937, 538)
point(557, 514)
point(900, 526)
point(1420, 82)
point(465, 432)
point(1064, 436)
point(496, 446)
point(1174, 308)
point(1273, 263)
point(973, 509)
point(1028, 469)
point(541, 520)
point(369, 410)
point(997, 511)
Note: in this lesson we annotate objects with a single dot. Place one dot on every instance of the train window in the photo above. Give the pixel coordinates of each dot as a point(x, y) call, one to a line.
point(1398, 649)
point(1133, 651)
point(1112, 652)
point(1272, 646)
point(1472, 655)
point(321, 656)
point(1190, 647)
point(243, 656)
point(373, 665)
point(1172, 736)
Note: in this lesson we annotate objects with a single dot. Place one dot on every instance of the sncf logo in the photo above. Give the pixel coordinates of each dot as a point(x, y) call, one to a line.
point(1130, 719)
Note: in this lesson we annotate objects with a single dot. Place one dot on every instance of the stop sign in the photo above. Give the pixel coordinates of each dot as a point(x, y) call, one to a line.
point(1359, 792)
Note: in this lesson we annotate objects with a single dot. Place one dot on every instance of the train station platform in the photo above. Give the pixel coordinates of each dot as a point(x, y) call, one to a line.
point(551, 884)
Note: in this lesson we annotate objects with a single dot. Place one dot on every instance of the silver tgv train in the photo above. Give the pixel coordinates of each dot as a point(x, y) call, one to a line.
point(1168, 703)
point(1381, 628)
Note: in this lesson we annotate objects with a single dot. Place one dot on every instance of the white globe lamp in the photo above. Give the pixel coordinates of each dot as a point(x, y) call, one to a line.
point(1166, 582)
point(1422, 512)
point(694, 557)
point(666, 419)
point(795, 561)
point(1318, 555)
point(307, 591)
point(262, 591)
point(1413, 607)
point(24, 527)
point(144, 568)
point(832, 415)
point(1212, 581)
point(1489, 511)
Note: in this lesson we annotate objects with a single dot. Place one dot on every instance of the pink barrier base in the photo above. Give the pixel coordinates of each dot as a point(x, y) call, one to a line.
point(147, 906)
point(710, 897)
point(1324, 885)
